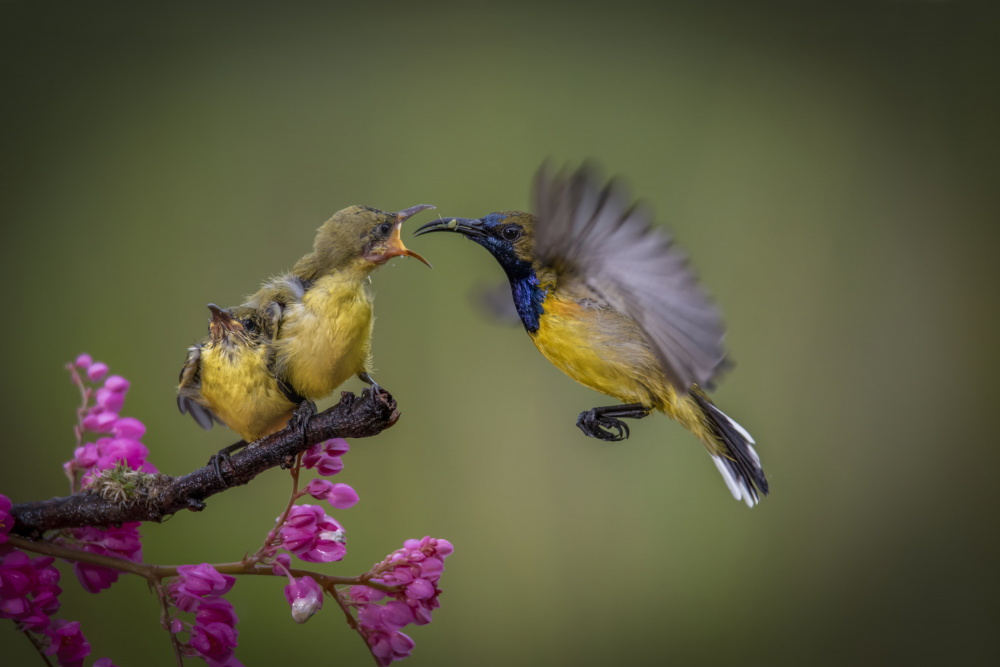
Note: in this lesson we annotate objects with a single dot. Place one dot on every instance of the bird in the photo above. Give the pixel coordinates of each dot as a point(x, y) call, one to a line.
point(226, 378)
point(320, 312)
point(611, 301)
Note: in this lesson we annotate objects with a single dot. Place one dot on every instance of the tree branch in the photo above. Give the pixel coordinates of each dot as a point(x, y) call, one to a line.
point(353, 417)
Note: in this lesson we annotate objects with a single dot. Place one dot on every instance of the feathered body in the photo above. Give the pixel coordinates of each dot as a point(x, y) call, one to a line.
point(300, 336)
point(611, 303)
point(322, 308)
point(227, 378)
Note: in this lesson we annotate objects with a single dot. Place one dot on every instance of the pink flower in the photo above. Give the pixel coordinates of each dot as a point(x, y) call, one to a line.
point(84, 361)
point(325, 456)
point(417, 568)
point(312, 535)
point(97, 371)
point(215, 643)
point(338, 495)
point(119, 541)
point(216, 610)
point(6, 520)
point(129, 427)
point(305, 597)
point(117, 383)
point(194, 582)
point(68, 644)
point(29, 591)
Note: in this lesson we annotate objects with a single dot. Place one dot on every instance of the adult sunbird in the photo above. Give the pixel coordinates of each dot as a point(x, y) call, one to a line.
point(612, 303)
point(300, 336)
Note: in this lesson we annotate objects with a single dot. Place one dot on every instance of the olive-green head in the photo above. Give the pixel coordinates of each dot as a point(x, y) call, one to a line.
point(359, 236)
point(508, 235)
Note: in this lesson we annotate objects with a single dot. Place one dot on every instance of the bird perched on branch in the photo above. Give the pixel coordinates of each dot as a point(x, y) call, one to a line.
point(321, 310)
point(227, 378)
point(613, 304)
point(300, 336)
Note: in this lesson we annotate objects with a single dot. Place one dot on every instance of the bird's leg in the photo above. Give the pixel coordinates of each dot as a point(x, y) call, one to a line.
point(598, 422)
point(367, 379)
point(300, 419)
point(224, 455)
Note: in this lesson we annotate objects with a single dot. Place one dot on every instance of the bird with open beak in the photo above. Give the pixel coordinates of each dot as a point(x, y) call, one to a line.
point(321, 310)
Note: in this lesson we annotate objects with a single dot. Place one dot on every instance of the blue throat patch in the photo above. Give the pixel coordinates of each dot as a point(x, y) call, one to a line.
point(528, 299)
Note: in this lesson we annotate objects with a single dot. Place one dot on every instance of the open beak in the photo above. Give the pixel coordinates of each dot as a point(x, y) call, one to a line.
point(394, 246)
point(465, 226)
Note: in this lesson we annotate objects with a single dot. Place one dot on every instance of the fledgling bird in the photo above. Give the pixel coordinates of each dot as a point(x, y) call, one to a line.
point(613, 304)
point(321, 310)
point(227, 378)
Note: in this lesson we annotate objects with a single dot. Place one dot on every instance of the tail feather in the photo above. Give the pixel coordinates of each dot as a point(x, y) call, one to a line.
point(739, 463)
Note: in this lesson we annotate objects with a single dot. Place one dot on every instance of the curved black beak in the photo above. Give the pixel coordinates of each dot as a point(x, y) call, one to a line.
point(222, 318)
point(468, 227)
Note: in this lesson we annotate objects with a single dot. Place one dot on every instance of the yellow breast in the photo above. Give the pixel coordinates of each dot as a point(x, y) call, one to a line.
point(240, 390)
point(326, 338)
point(601, 349)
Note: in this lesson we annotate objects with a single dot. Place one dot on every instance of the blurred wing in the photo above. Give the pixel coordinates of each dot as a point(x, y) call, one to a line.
point(495, 303)
point(592, 231)
point(189, 391)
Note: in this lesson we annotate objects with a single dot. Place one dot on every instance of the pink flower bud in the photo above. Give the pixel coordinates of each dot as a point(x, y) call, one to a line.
point(420, 589)
point(68, 643)
point(396, 615)
point(83, 361)
point(305, 597)
point(109, 401)
point(341, 496)
point(117, 383)
point(97, 371)
point(176, 626)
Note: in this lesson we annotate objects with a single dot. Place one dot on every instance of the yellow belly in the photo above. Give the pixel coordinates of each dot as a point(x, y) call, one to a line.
point(241, 392)
point(326, 338)
point(607, 351)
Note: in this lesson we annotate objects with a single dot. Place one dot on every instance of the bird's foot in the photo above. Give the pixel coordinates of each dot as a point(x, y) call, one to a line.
point(595, 425)
point(599, 422)
point(375, 388)
point(224, 456)
point(300, 419)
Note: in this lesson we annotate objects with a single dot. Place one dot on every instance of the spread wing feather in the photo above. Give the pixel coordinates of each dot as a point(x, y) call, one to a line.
point(189, 391)
point(592, 230)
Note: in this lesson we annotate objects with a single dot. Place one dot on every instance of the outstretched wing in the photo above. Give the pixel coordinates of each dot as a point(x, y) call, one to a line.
point(189, 391)
point(592, 230)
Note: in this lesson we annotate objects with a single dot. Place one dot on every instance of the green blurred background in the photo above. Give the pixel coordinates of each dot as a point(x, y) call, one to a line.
point(832, 172)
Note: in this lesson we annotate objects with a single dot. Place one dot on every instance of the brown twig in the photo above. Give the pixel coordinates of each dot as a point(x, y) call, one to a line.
point(353, 417)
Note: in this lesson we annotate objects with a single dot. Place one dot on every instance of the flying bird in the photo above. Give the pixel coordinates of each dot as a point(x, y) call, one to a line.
point(610, 301)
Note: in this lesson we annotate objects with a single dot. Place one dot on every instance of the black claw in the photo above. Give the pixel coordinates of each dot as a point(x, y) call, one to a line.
point(223, 455)
point(598, 422)
point(300, 418)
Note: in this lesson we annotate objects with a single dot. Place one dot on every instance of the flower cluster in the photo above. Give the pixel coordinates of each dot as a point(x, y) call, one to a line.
point(121, 441)
point(199, 589)
point(118, 541)
point(29, 590)
point(119, 448)
point(416, 568)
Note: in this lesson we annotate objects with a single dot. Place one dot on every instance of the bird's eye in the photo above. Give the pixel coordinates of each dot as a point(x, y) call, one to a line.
point(383, 229)
point(511, 233)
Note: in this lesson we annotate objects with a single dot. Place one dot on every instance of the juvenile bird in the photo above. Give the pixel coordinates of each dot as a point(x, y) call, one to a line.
point(321, 311)
point(227, 378)
point(612, 303)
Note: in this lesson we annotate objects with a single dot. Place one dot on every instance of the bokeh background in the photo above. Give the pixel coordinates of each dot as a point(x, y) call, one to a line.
point(832, 171)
